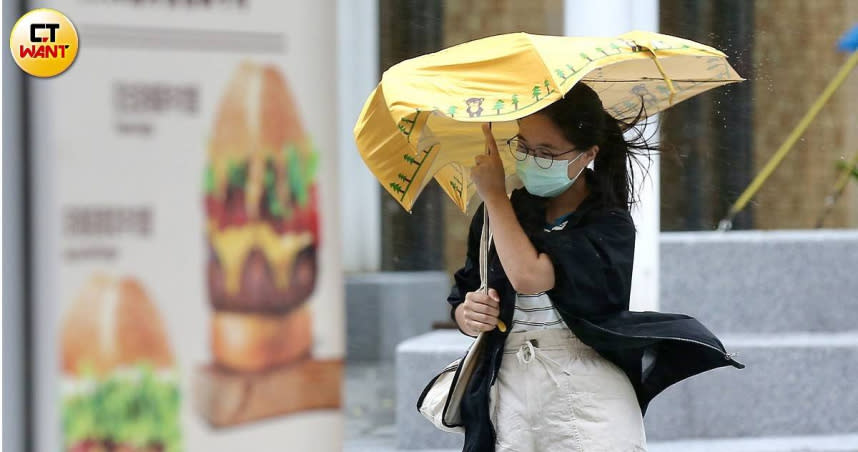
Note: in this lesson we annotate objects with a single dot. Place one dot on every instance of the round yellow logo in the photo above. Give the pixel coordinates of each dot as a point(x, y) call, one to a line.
point(43, 42)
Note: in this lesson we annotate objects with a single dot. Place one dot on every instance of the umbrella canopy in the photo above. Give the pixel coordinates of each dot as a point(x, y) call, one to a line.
point(423, 120)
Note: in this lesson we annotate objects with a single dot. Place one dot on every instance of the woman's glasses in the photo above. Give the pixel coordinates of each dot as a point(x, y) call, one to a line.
point(543, 157)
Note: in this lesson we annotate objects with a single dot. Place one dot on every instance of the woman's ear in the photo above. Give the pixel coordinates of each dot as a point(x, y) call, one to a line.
point(595, 151)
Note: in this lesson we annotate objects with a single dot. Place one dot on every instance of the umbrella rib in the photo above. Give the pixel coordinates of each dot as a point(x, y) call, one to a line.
point(664, 75)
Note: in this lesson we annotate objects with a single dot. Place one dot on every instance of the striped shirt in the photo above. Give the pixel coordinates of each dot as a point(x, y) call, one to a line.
point(536, 311)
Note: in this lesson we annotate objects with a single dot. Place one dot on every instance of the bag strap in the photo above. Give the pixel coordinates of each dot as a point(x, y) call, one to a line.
point(485, 246)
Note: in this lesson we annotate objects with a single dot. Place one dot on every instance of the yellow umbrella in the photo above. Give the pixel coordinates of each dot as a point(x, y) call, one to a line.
point(423, 119)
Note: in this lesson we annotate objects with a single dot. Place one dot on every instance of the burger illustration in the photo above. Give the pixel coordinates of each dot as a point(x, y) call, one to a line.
point(260, 197)
point(120, 390)
point(263, 235)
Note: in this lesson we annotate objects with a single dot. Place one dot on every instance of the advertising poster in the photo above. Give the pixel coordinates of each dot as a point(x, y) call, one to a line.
point(188, 288)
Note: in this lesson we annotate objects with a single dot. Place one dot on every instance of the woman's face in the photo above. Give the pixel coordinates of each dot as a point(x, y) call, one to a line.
point(544, 139)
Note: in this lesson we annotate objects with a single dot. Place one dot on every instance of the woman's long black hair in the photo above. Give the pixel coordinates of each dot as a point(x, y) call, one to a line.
point(585, 123)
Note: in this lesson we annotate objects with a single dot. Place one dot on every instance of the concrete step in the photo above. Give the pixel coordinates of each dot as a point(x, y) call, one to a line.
point(762, 281)
point(794, 384)
point(798, 384)
point(383, 309)
point(819, 443)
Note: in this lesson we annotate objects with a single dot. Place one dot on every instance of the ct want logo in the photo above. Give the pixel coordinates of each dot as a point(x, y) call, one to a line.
point(44, 42)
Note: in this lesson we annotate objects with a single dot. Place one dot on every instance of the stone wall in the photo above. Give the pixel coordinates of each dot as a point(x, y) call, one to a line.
point(795, 58)
point(788, 57)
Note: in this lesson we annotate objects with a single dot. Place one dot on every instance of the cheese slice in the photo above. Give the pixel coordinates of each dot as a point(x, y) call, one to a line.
point(233, 245)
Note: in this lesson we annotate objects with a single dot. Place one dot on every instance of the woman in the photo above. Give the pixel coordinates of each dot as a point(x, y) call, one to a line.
point(575, 369)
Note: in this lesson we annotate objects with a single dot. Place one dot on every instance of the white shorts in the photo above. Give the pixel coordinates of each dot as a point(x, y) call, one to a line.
point(554, 392)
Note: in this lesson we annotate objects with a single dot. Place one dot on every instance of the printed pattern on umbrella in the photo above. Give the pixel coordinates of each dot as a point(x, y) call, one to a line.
point(402, 185)
point(482, 106)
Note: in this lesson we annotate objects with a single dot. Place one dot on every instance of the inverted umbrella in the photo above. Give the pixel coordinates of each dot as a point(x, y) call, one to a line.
point(423, 119)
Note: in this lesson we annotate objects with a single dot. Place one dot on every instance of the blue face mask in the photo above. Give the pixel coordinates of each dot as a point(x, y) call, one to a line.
point(543, 182)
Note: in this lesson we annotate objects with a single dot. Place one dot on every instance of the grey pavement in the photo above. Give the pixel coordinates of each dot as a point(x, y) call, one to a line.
point(369, 401)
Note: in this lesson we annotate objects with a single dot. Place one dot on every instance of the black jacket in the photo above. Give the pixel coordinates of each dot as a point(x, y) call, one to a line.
point(592, 257)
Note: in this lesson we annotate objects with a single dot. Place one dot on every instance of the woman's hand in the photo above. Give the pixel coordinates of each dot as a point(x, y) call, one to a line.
point(479, 312)
point(487, 172)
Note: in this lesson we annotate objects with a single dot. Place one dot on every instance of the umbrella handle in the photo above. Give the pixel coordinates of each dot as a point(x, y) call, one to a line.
point(487, 150)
